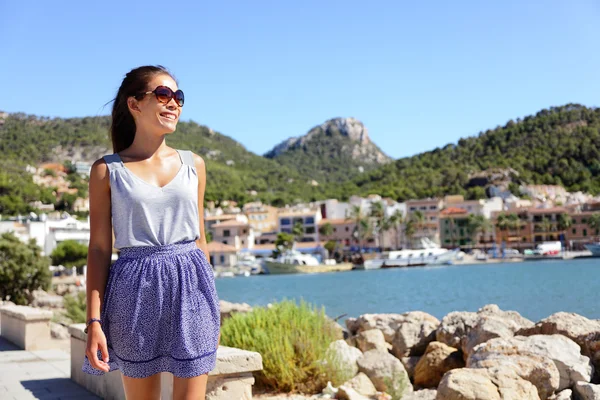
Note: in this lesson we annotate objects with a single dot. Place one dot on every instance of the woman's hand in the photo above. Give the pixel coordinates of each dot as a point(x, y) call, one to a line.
point(96, 340)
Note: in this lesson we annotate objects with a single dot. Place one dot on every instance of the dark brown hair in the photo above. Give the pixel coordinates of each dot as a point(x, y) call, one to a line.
point(122, 127)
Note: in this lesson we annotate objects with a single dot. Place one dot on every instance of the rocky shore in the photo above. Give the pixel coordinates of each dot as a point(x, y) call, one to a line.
point(490, 354)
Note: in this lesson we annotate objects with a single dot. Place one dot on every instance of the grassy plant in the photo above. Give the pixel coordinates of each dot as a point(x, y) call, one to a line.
point(292, 340)
point(76, 307)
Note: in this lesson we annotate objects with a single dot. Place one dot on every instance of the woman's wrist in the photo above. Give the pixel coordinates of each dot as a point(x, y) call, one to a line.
point(90, 322)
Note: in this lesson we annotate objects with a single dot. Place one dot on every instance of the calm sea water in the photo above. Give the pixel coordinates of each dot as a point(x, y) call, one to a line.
point(535, 289)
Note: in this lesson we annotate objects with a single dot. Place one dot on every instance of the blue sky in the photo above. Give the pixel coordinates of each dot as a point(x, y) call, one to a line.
point(419, 75)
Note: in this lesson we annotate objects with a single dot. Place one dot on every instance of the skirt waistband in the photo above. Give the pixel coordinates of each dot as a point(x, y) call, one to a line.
point(167, 249)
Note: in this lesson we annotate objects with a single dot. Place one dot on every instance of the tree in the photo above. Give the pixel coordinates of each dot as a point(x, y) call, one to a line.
point(298, 231)
point(330, 246)
point(284, 241)
point(594, 221)
point(409, 231)
point(326, 229)
point(564, 222)
point(396, 220)
point(503, 224)
point(545, 226)
point(380, 221)
point(361, 224)
point(23, 269)
point(476, 225)
point(70, 254)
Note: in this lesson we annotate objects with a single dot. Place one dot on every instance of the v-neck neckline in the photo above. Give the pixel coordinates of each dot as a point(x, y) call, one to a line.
point(151, 184)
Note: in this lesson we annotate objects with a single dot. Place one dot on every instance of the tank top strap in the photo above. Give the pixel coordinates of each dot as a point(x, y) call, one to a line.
point(113, 161)
point(187, 157)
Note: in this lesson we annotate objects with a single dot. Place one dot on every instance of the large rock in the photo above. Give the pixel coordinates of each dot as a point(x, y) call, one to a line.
point(371, 339)
point(43, 299)
point(347, 393)
point(455, 327)
point(352, 325)
point(57, 331)
point(386, 372)
point(493, 323)
point(410, 364)
point(386, 323)
point(227, 308)
point(566, 394)
point(362, 384)
point(437, 360)
point(485, 384)
point(465, 330)
point(344, 356)
point(583, 331)
point(425, 394)
point(414, 334)
point(564, 353)
point(586, 391)
point(539, 371)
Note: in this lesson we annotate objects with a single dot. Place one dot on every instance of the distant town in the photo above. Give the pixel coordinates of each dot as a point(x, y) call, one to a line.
point(362, 224)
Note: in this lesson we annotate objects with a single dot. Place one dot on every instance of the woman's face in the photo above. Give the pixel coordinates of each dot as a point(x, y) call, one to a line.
point(152, 115)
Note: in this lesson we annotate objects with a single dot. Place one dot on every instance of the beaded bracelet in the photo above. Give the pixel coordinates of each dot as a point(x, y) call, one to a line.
point(89, 322)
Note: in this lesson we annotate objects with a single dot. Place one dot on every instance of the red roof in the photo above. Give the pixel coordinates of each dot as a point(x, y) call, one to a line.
point(453, 211)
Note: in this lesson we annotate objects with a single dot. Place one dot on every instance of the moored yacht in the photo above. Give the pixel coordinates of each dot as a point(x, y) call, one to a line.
point(429, 254)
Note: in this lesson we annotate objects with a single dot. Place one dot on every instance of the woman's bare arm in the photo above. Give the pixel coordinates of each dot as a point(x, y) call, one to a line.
point(201, 170)
point(100, 247)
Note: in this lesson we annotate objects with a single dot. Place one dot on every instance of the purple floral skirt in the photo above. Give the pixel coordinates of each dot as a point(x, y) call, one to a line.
point(160, 312)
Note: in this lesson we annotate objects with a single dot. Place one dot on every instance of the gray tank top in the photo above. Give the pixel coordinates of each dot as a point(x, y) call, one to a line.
point(144, 214)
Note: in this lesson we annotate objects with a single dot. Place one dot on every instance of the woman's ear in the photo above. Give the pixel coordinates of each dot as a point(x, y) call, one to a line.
point(133, 105)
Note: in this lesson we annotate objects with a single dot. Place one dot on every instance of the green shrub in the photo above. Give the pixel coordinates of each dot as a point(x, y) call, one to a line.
point(292, 340)
point(76, 307)
point(23, 269)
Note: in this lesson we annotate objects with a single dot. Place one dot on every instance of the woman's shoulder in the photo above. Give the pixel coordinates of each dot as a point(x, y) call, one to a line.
point(194, 158)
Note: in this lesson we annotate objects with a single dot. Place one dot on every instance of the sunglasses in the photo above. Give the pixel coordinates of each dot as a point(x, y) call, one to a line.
point(164, 95)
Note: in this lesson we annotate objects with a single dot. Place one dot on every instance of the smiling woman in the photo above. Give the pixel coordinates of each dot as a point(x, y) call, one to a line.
point(156, 309)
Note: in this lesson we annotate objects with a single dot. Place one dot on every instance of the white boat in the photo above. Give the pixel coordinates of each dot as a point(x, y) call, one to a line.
point(293, 262)
point(429, 254)
point(594, 248)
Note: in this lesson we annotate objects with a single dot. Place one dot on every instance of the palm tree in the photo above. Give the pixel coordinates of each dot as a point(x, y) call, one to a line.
point(326, 229)
point(409, 230)
point(564, 223)
point(361, 224)
point(546, 226)
point(503, 224)
point(298, 231)
point(476, 225)
point(396, 220)
point(515, 223)
point(381, 223)
point(419, 218)
point(594, 222)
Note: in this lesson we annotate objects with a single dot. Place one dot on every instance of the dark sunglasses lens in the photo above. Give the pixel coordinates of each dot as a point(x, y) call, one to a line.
point(163, 94)
point(179, 98)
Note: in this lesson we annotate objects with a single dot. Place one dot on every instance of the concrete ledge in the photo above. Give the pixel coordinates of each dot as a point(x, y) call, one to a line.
point(230, 380)
point(27, 327)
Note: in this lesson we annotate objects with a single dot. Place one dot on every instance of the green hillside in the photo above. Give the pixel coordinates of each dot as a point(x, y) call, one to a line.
point(560, 145)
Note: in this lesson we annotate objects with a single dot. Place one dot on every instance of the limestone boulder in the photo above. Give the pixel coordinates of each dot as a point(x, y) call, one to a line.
point(386, 372)
point(566, 394)
point(424, 394)
point(564, 353)
point(539, 371)
point(586, 391)
point(371, 339)
point(386, 323)
point(228, 308)
point(362, 384)
point(437, 360)
point(583, 331)
point(455, 327)
point(485, 384)
point(410, 364)
point(414, 334)
point(492, 322)
point(345, 357)
point(347, 393)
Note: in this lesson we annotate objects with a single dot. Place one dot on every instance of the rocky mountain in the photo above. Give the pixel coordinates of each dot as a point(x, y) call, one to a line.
point(340, 148)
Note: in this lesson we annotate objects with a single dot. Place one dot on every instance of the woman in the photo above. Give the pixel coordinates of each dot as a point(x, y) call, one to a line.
point(156, 309)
